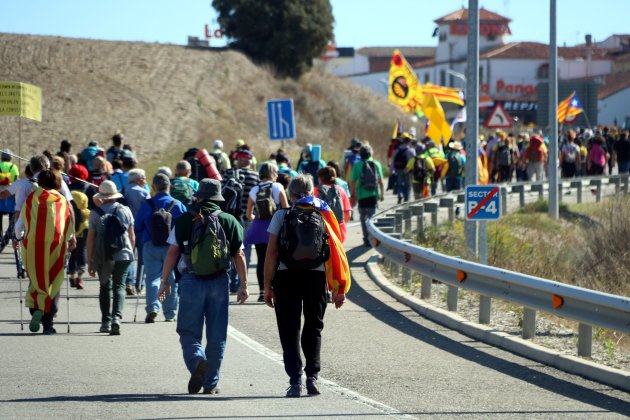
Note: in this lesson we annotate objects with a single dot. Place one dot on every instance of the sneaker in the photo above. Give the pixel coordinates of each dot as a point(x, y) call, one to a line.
point(115, 328)
point(35, 321)
point(294, 391)
point(49, 331)
point(150, 319)
point(196, 379)
point(311, 386)
point(131, 291)
point(214, 390)
point(79, 284)
point(261, 298)
point(170, 319)
point(105, 327)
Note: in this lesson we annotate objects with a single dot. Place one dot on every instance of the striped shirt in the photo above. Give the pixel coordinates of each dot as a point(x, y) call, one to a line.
point(249, 178)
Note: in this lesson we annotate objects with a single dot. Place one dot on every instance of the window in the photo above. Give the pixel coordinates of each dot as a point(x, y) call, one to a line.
point(442, 77)
point(426, 77)
point(480, 74)
point(543, 71)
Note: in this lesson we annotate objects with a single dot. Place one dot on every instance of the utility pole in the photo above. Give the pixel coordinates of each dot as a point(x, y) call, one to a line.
point(552, 165)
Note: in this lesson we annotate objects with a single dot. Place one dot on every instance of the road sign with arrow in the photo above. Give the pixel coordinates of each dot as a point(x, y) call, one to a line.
point(499, 118)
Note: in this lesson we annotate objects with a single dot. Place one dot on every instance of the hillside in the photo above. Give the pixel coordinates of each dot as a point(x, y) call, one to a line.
point(166, 98)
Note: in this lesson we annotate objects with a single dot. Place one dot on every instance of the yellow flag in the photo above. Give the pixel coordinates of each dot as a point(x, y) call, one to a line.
point(443, 94)
point(403, 84)
point(438, 126)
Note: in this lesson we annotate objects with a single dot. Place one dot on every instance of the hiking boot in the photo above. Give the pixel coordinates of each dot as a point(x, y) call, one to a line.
point(311, 386)
point(73, 282)
point(105, 327)
point(150, 319)
point(79, 284)
point(35, 321)
point(294, 391)
point(131, 291)
point(196, 379)
point(49, 331)
point(115, 328)
point(214, 390)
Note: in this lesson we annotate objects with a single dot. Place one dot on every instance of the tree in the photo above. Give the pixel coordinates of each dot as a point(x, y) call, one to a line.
point(287, 34)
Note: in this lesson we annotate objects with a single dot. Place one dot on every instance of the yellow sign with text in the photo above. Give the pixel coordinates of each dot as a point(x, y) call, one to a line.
point(20, 100)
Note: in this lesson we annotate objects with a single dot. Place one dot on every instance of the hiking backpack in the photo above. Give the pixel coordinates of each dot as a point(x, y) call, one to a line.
point(81, 212)
point(110, 235)
point(5, 177)
point(265, 205)
point(369, 175)
point(207, 252)
point(197, 171)
point(218, 159)
point(160, 224)
point(454, 165)
point(330, 194)
point(419, 169)
point(504, 155)
point(232, 192)
point(182, 191)
point(303, 240)
point(400, 159)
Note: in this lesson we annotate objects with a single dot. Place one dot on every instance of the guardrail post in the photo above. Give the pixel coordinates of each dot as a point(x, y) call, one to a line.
point(616, 180)
point(485, 306)
point(394, 267)
point(529, 323)
point(560, 191)
point(449, 203)
point(398, 222)
point(578, 186)
point(598, 189)
point(585, 340)
point(624, 179)
point(406, 218)
point(425, 289)
point(433, 209)
point(451, 298)
point(540, 188)
point(504, 201)
point(520, 189)
point(418, 211)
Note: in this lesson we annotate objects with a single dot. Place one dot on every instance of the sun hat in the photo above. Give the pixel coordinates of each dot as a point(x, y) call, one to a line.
point(107, 191)
point(209, 189)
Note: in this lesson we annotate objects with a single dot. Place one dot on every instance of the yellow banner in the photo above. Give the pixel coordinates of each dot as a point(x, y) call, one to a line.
point(20, 100)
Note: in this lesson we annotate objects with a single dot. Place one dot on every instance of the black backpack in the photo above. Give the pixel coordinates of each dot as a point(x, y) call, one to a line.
point(110, 235)
point(454, 165)
point(400, 159)
point(504, 155)
point(330, 194)
point(160, 225)
point(369, 175)
point(232, 192)
point(419, 169)
point(265, 205)
point(303, 240)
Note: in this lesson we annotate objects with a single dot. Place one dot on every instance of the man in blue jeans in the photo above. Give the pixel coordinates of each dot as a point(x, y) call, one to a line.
point(155, 247)
point(204, 298)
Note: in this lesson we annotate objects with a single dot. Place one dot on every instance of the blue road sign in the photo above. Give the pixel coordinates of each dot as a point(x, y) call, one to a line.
point(483, 202)
point(280, 119)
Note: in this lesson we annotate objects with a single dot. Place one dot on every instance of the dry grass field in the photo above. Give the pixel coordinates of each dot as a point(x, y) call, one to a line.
point(166, 98)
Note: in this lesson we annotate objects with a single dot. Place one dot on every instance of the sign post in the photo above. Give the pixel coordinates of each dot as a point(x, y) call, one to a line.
point(20, 100)
point(281, 120)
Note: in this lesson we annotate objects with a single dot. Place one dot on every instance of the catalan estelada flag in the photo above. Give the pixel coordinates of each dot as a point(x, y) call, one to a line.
point(337, 268)
point(403, 83)
point(437, 127)
point(569, 109)
point(47, 227)
point(443, 94)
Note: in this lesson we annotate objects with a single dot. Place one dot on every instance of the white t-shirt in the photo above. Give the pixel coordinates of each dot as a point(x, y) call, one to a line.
point(276, 189)
point(22, 187)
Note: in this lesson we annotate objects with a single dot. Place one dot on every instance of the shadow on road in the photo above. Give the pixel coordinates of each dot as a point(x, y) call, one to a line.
point(394, 319)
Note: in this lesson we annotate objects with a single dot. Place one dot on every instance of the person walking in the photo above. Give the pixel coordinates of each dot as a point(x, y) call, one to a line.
point(111, 269)
point(8, 174)
point(264, 198)
point(48, 237)
point(153, 226)
point(454, 178)
point(366, 181)
point(299, 286)
point(204, 286)
point(336, 197)
point(401, 157)
point(136, 193)
point(622, 153)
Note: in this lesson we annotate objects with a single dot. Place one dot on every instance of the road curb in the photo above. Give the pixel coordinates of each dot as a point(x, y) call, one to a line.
point(610, 376)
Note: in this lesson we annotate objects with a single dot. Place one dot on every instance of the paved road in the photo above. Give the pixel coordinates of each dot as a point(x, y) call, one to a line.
point(380, 359)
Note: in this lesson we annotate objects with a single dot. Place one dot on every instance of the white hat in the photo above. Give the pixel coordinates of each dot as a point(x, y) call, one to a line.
point(218, 144)
point(107, 191)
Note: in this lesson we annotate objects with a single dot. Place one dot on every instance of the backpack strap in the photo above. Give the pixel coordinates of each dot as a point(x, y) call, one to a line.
point(170, 206)
point(151, 203)
point(99, 210)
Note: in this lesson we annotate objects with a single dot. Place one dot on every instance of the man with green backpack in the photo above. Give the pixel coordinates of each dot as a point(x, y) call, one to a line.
point(207, 240)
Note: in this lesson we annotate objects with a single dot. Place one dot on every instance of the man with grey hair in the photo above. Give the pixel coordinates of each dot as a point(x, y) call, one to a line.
point(136, 193)
point(182, 186)
point(154, 247)
point(366, 180)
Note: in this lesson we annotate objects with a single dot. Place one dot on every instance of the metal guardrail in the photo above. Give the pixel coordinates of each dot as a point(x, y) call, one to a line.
point(588, 307)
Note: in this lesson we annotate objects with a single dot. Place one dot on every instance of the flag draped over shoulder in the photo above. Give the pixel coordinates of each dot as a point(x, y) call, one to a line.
point(438, 127)
point(403, 83)
point(47, 227)
point(337, 268)
point(569, 109)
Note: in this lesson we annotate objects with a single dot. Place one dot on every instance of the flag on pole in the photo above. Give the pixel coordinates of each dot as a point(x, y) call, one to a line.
point(403, 83)
point(443, 94)
point(438, 127)
point(569, 109)
point(459, 118)
point(398, 129)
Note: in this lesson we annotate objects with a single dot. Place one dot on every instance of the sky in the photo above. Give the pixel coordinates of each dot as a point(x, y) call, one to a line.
point(358, 23)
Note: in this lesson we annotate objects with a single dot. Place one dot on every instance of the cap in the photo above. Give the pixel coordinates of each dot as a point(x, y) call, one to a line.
point(209, 189)
point(218, 144)
point(245, 155)
point(78, 171)
point(240, 142)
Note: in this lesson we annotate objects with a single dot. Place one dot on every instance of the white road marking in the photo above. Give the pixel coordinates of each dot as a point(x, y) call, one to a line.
point(334, 387)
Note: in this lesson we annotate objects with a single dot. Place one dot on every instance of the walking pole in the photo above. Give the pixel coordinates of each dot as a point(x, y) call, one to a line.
point(67, 291)
point(138, 293)
point(20, 276)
